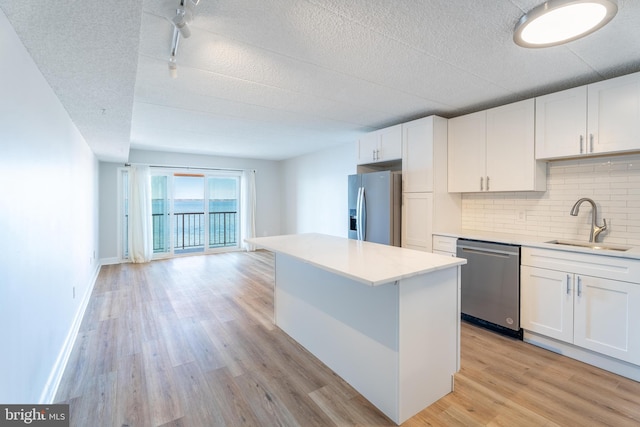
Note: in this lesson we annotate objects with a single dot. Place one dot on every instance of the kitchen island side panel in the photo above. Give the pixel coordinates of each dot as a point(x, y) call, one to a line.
point(397, 344)
point(429, 339)
point(352, 328)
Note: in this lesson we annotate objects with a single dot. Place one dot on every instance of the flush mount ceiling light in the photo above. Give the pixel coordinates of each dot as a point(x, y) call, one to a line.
point(561, 21)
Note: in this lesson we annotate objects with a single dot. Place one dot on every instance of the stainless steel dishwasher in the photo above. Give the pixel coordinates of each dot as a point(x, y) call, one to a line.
point(490, 283)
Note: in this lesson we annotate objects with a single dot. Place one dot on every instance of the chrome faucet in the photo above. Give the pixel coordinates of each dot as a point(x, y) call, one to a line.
point(595, 230)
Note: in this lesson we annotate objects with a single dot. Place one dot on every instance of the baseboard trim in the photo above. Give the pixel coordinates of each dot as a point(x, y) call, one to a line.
point(110, 261)
point(51, 388)
point(601, 361)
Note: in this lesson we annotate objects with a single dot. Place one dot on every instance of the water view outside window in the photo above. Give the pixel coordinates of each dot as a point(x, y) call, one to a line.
point(188, 208)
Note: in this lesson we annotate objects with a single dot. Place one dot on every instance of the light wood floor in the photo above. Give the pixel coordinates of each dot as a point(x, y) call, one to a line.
point(190, 342)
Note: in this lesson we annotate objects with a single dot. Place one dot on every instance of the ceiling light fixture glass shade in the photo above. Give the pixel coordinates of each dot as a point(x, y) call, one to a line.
point(560, 21)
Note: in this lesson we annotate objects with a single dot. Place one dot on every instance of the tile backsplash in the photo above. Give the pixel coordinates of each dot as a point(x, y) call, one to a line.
point(612, 182)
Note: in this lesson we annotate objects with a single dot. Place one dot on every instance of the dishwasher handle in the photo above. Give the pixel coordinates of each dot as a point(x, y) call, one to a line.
point(485, 251)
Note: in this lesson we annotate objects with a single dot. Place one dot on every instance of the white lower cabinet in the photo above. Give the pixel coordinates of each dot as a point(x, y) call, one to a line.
point(606, 316)
point(417, 209)
point(574, 305)
point(546, 302)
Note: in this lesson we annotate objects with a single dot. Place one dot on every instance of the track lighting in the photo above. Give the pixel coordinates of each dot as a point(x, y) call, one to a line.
point(184, 13)
point(173, 66)
point(180, 22)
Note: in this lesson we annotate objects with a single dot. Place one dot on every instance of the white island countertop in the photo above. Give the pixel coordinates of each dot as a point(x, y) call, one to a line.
point(370, 263)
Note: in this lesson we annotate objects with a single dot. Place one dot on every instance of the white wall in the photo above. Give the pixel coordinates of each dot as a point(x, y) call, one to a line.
point(268, 191)
point(48, 227)
point(314, 191)
point(612, 182)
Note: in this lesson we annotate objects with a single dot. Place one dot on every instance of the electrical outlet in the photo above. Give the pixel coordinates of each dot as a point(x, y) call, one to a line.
point(521, 216)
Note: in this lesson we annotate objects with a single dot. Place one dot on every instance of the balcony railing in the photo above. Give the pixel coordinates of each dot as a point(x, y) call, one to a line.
point(223, 229)
point(189, 230)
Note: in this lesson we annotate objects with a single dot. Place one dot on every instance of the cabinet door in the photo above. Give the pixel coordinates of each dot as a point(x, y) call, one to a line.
point(417, 213)
point(417, 159)
point(607, 317)
point(614, 114)
point(467, 150)
point(367, 146)
point(390, 143)
point(561, 124)
point(510, 158)
point(546, 302)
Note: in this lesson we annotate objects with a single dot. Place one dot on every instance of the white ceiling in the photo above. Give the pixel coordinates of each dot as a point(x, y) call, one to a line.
point(274, 79)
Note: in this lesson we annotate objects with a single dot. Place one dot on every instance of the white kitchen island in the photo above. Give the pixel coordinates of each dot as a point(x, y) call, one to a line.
point(386, 319)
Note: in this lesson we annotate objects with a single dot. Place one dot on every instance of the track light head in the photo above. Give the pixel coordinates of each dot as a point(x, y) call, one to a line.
point(173, 67)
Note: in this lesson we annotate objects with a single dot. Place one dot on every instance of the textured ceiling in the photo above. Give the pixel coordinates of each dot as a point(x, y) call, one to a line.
point(275, 79)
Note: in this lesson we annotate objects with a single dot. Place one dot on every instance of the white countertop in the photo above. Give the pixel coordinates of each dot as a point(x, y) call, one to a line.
point(537, 242)
point(370, 263)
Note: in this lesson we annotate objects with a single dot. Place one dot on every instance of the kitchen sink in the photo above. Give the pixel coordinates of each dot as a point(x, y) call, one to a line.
point(589, 245)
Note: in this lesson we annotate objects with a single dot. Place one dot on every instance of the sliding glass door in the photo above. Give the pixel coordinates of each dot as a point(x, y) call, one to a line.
point(190, 212)
point(160, 213)
point(224, 226)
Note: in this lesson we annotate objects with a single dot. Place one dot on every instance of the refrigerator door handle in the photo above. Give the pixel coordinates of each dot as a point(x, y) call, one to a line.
point(358, 225)
point(363, 216)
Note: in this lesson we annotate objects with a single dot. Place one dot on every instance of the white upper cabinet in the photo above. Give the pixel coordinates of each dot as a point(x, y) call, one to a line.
point(493, 150)
point(614, 114)
point(417, 161)
point(467, 152)
point(561, 123)
point(380, 146)
point(511, 162)
point(599, 118)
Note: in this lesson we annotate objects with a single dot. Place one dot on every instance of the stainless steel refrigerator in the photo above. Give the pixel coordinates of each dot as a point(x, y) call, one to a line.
point(375, 201)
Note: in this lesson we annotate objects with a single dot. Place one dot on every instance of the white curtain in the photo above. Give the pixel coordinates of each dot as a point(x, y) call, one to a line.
point(140, 226)
point(248, 226)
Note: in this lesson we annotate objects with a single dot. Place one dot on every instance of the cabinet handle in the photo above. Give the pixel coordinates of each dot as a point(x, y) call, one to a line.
point(487, 183)
point(568, 285)
point(581, 141)
point(579, 286)
point(481, 183)
point(591, 142)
